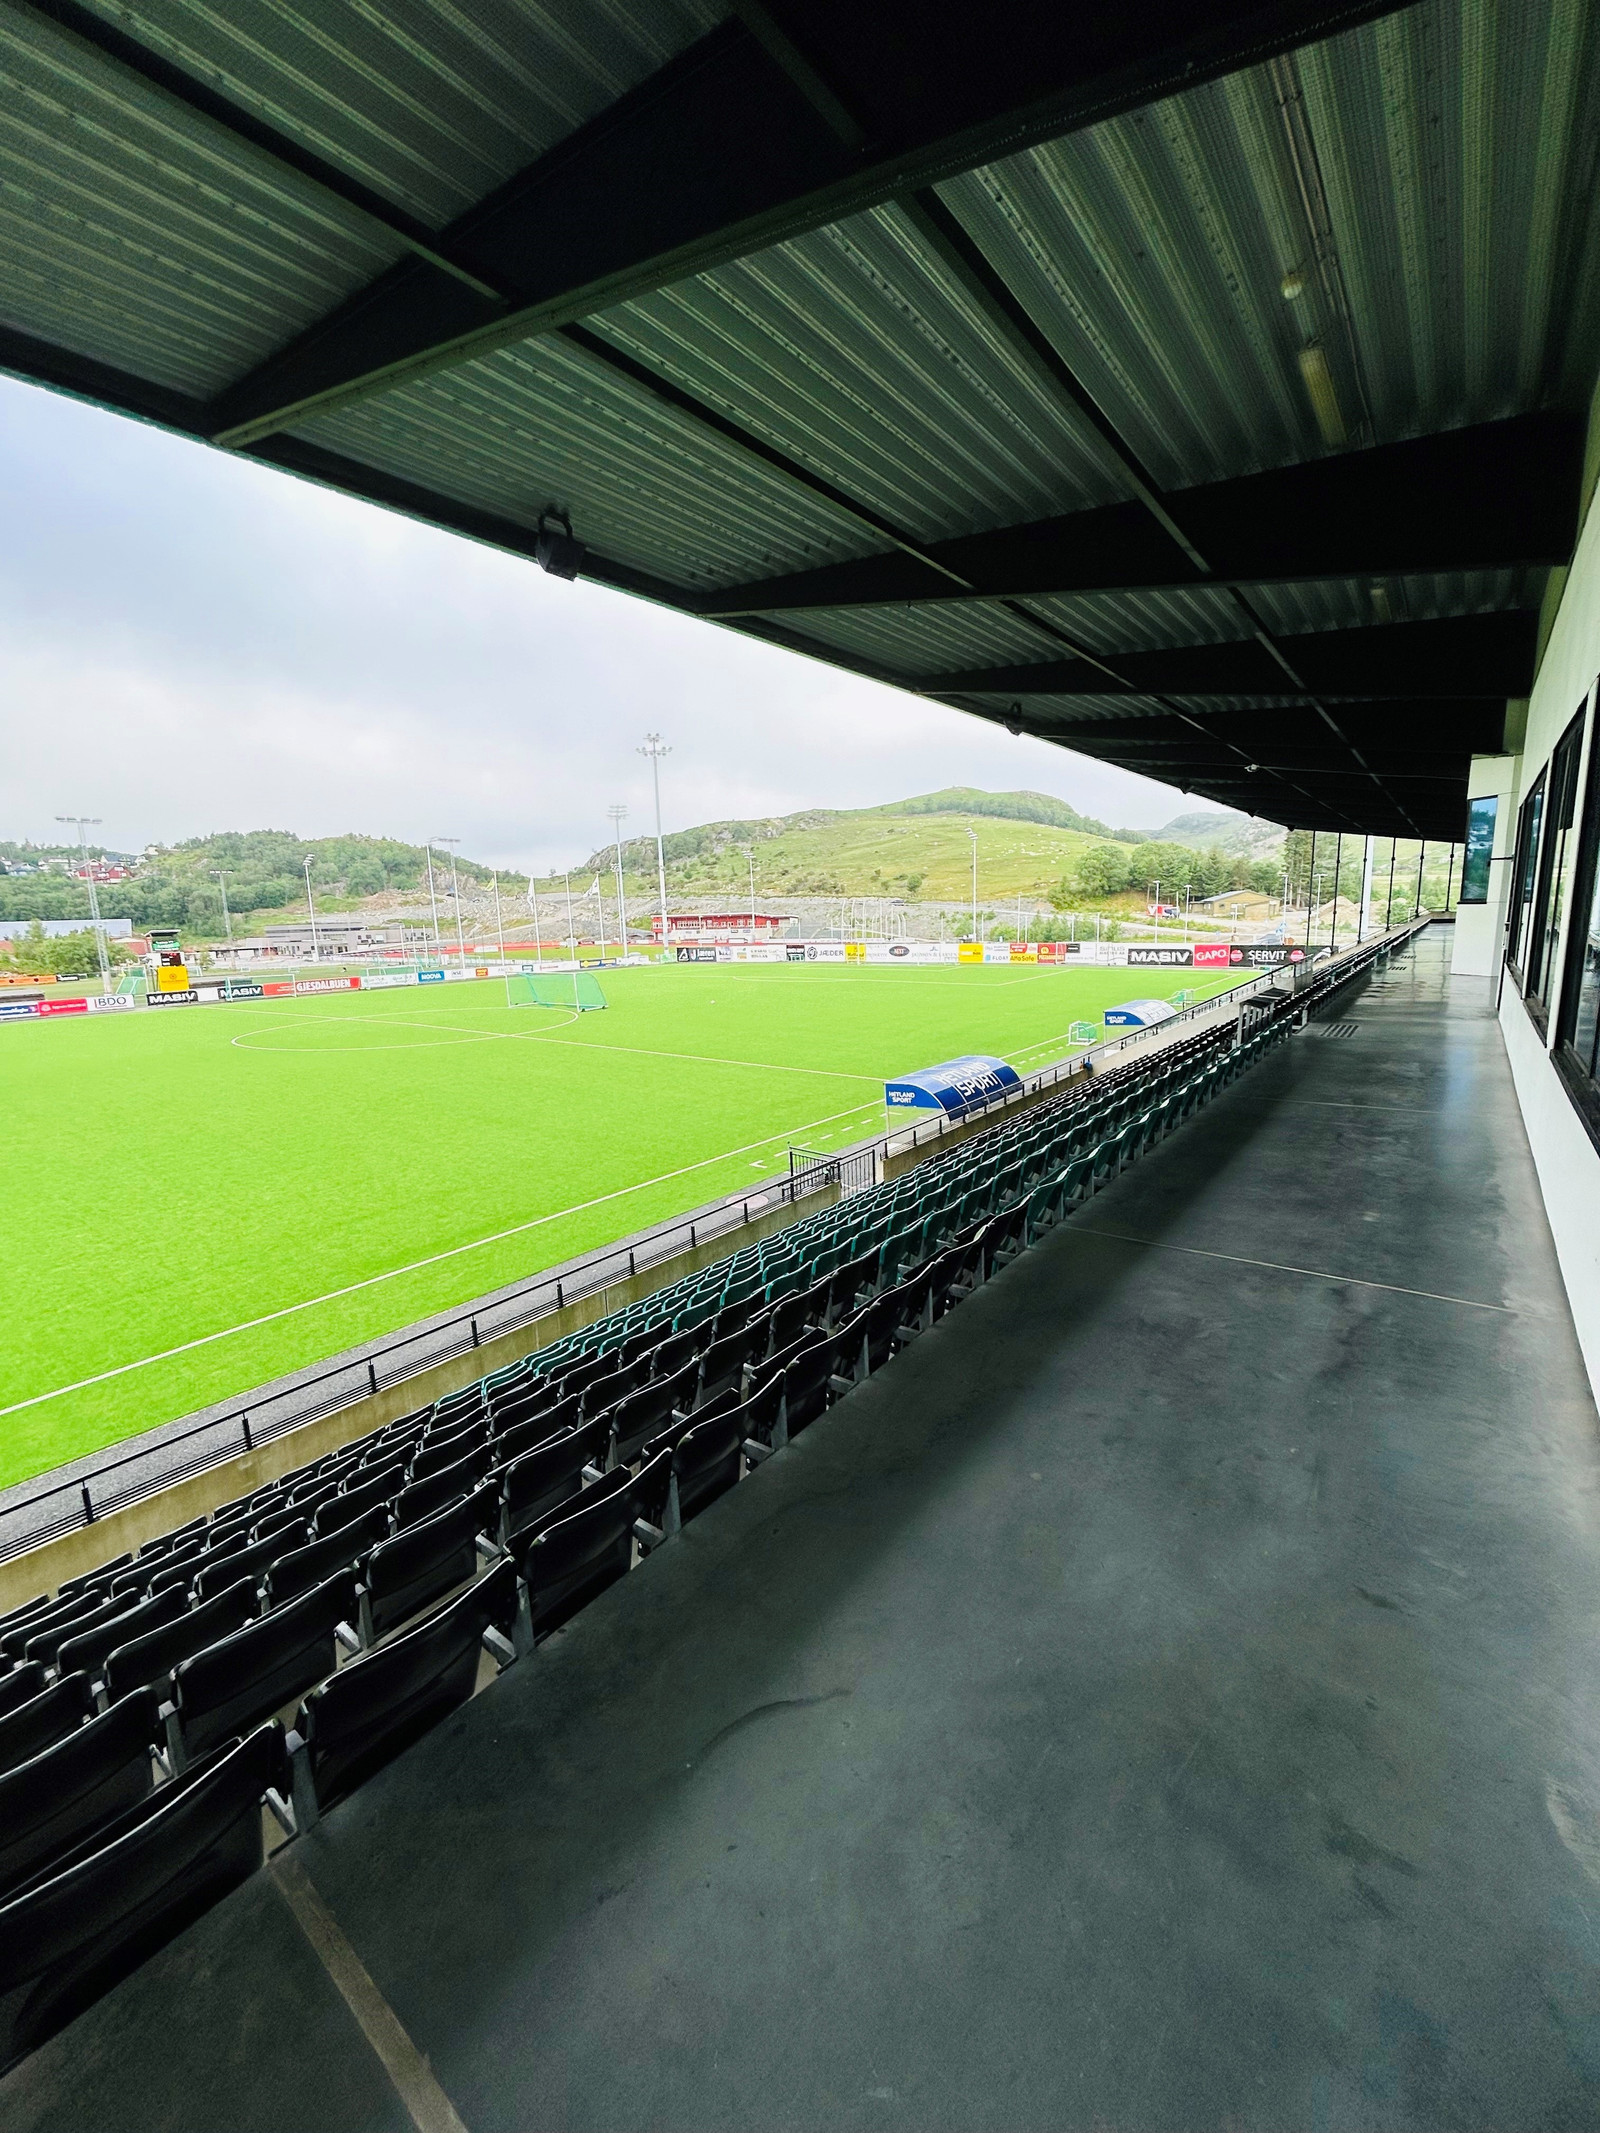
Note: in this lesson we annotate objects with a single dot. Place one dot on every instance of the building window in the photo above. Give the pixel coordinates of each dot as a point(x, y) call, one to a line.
point(1555, 867)
point(1578, 1026)
point(1478, 850)
point(1524, 874)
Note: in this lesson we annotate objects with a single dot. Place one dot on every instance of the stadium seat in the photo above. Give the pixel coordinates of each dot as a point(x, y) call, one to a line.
point(352, 1505)
point(50, 1802)
point(86, 1649)
point(230, 1686)
point(644, 1413)
point(436, 1453)
point(722, 1364)
point(250, 1562)
point(148, 1660)
point(706, 1462)
point(49, 1717)
point(298, 1571)
point(277, 1522)
point(21, 1685)
point(537, 1428)
point(547, 1474)
point(367, 1713)
point(74, 1929)
point(445, 1485)
point(808, 1382)
point(408, 1573)
point(68, 1586)
point(568, 1562)
point(47, 1641)
point(26, 1612)
point(33, 1621)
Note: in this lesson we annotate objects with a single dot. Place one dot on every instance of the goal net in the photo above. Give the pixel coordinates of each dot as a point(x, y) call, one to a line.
point(579, 989)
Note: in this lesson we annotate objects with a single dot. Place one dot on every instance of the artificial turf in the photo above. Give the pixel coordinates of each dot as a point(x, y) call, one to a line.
point(197, 1169)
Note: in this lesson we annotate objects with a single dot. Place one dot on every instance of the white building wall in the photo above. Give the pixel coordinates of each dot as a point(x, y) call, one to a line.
point(1567, 1160)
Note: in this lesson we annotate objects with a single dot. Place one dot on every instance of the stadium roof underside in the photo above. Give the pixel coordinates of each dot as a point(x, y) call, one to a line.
point(1198, 385)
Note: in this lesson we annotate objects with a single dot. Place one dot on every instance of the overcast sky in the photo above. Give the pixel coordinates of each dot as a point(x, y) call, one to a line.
point(189, 642)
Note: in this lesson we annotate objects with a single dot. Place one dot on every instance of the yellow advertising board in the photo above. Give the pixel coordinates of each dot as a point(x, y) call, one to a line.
point(970, 952)
point(1024, 952)
point(855, 951)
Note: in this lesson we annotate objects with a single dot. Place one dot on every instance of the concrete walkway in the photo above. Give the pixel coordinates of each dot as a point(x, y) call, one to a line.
point(1165, 1698)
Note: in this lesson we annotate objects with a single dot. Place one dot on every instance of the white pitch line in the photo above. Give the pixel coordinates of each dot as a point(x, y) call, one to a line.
point(455, 1251)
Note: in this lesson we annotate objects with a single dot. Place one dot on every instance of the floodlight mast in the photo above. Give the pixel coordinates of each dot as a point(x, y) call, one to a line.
point(311, 913)
point(499, 922)
point(83, 822)
point(618, 814)
point(972, 833)
point(655, 748)
point(227, 915)
point(433, 900)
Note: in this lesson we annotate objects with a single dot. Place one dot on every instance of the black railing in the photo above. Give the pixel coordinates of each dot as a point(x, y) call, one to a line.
point(114, 1483)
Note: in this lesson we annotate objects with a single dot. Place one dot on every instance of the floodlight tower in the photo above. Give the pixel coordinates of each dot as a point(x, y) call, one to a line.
point(227, 915)
point(618, 815)
point(750, 854)
point(311, 913)
point(455, 891)
point(433, 899)
point(655, 748)
point(81, 823)
point(972, 833)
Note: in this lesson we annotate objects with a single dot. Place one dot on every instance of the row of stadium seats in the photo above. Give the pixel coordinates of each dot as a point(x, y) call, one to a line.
point(141, 1705)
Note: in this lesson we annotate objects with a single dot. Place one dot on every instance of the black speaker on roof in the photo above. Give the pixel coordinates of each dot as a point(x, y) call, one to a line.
point(555, 548)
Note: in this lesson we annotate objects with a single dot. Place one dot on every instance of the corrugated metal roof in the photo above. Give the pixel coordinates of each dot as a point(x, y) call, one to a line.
point(921, 640)
point(1447, 143)
point(539, 423)
point(853, 347)
point(131, 231)
point(433, 103)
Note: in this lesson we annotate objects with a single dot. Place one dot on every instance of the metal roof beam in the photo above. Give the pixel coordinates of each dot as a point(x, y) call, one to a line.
point(734, 146)
point(1489, 656)
point(1496, 496)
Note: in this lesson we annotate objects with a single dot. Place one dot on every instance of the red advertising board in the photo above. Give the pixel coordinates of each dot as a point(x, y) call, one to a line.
point(277, 988)
point(63, 1007)
point(1211, 955)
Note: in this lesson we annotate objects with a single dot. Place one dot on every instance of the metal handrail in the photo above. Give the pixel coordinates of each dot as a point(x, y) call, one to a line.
point(358, 1376)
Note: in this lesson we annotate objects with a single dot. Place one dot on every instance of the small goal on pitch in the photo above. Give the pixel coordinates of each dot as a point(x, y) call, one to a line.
point(578, 989)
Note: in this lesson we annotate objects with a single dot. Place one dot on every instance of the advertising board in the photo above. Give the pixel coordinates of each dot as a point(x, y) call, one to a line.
point(63, 1007)
point(110, 1003)
point(174, 999)
point(327, 984)
point(1161, 958)
point(17, 1010)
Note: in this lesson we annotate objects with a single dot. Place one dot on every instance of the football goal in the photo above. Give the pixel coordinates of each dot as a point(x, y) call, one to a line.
point(578, 989)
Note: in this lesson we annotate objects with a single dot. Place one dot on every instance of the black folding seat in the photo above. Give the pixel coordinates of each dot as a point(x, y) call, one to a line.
point(705, 1464)
point(867, 1343)
point(21, 1686)
point(577, 1377)
point(95, 1913)
point(407, 1574)
point(808, 1386)
point(42, 1605)
point(670, 1353)
point(547, 1474)
point(306, 1500)
point(227, 1687)
point(35, 1621)
point(568, 1561)
point(438, 1453)
point(722, 1363)
point(537, 1429)
point(352, 1505)
point(277, 1519)
point(790, 1318)
point(85, 1649)
point(300, 1569)
point(367, 1713)
point(150, 1659)
point(51, 1716)
point(445, 1486)
point(774, 1365)
point(47, 1641)
point(164, 1543)
point(250, 1562)
point(459, 1406)
point(666, 1440)
point(639, 1417)
point(97, 1576)
point(184, 1573)
point(48, 1803)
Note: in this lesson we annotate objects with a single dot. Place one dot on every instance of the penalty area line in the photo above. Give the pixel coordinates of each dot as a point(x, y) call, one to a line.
point(455, 1251)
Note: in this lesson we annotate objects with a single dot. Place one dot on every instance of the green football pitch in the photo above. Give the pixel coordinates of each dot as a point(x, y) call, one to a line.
point(259, 1185)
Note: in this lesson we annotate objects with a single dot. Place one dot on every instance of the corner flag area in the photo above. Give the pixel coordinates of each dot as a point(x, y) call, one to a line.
point(237, 1192)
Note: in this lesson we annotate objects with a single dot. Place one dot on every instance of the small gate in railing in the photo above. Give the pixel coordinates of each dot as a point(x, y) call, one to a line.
point(852, 1170)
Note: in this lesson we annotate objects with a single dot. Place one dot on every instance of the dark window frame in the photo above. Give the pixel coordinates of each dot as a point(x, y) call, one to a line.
point(1524, 867)
point(1557, 820)
point(1491, 801)
point(1580, 1075)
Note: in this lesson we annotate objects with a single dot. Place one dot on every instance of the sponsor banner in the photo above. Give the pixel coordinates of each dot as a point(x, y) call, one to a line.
point(1160, 958)
point(825, 952)
point(278, 989)
point(761, 952)
point(1211, 955)
point(1059, 951)
point(430, 977)
point(388, 979)
point(1273, 958)
point(174, 999)
point(696, 955)
point(241, 989)
point(997, 951)
point(108, 1003)
point(63, 1007)
point(1024, 952)
point(327, 984)
point(855, 951)
point(970, 952)
point(795, 952)
point(15, 1010)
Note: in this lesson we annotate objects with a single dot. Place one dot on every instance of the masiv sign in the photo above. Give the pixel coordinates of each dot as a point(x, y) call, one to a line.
point(1215, 955)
